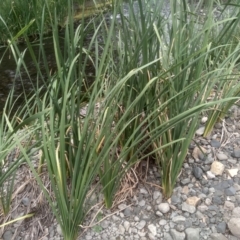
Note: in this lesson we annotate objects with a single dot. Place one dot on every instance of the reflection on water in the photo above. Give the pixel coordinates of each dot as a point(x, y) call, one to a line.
point(21, 79)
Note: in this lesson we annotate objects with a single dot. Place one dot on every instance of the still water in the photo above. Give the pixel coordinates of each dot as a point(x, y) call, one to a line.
point(10, 77)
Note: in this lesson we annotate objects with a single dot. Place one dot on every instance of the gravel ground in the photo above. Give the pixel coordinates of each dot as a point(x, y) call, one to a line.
point(205, 203)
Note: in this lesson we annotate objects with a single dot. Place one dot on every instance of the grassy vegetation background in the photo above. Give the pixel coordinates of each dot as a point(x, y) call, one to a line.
point(153, 76)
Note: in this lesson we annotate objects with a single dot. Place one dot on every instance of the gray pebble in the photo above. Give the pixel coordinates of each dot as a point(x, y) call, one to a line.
point(178, 219)
point(177, 235)
point(167, 236)
point(234, 226)
point(26, 201)
point(197, 172)
point(215, 143)
point(217, 200)
point(104, 224)
point(141, 225)
point(180, 227)
point(7, 235)
point(221, 227)
point(236, 153)
point(175, 199)
point(142, 203)
point(127, 212)
point(230, 191)
point(218, 125)
point(185, 181)
point(221, 156)
point(217, 236)
point(188, 208)
point(157, 195)
point(122, 206)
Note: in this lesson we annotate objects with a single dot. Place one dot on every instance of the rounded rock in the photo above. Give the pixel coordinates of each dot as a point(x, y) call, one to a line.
point(162, 222)
point(192, 233)
point(141, 225)
point(197, 172)
point(188, 208)
point(217, 168)
point(177, 235)
point(7, 235)
point(221, 156)
point(157, 195)
point(200, 131)
point(25, 201)
point(126, 225)
point(236, 153)
point(152, 228)
point(234, 226)
point(164, 207)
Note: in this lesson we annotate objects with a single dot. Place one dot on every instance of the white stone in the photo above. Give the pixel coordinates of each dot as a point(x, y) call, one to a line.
point(151, 237)
point(152, 228)
point(200, 131)
point(162, 222)
point(210, 175)
point(121, 229)
point(122, 206)
point(142, 203)
point(141, 234)
point(208, 201)
point(164, 207)
point(141, 225)
point(234, 226)
point(177, 219)
point(143, 191)
point(126, 225)
point(217, 168)
point(158, 213)
point(192, 233)
point(59, 230)
point(136, 219)
point(204, 119)
point(232, 172)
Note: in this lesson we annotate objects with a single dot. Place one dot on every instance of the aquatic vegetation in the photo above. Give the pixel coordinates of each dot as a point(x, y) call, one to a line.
point(153, 76)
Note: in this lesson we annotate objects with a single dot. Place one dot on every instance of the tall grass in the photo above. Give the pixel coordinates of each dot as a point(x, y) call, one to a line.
point(153, 76)
point(17, 14)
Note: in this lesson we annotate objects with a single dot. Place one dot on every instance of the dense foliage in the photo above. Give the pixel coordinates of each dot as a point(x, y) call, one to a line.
point(153, 78)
